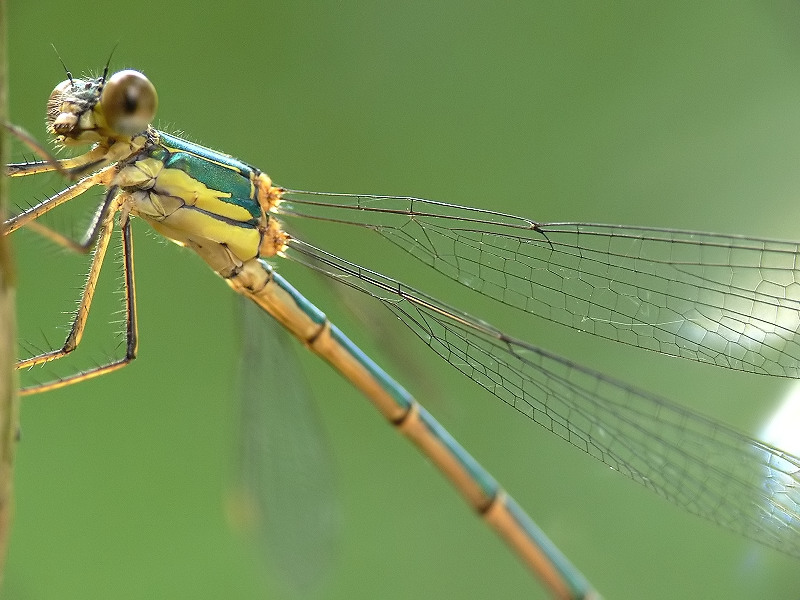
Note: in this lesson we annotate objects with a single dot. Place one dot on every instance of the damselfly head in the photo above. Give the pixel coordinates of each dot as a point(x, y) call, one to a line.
point(82, 111)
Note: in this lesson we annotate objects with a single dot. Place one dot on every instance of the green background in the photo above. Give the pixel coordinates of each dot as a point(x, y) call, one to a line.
point(666, 114)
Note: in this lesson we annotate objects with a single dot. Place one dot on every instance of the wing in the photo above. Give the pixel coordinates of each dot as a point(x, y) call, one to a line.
point(728, 300)
point(284, 492)
point(698, 463)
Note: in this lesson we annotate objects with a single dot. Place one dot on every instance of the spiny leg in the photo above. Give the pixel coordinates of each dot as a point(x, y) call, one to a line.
point(71, 168)
point(101, 177)
point(97, 236)
point(82, 312)
point(58, 238)
point(81, 315)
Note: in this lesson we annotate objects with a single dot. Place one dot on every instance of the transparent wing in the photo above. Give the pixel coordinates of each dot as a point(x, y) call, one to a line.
point(284, 493)
point(727, 300)
point(699, 464)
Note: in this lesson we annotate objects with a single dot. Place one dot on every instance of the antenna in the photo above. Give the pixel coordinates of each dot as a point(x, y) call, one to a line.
point(69, 75)
point(108, 62)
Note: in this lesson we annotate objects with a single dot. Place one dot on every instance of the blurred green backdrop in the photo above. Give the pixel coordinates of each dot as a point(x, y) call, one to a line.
point(665, 114)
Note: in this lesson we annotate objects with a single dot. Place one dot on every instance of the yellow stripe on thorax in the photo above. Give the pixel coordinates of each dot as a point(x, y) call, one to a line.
point(174, 182)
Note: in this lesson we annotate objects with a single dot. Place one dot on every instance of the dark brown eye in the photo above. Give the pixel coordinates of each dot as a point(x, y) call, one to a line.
point(129, 102)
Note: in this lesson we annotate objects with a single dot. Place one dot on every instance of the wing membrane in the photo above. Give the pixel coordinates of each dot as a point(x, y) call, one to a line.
point(285, 480)
point(728, 300)
point(698, 463)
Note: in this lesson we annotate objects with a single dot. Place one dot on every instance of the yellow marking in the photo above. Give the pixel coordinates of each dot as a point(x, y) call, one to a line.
point(149, 173)
point(200, 229)
point(178, 183)
point(252, 185)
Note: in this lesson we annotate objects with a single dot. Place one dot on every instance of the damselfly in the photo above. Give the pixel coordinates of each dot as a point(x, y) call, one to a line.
point(731, 301)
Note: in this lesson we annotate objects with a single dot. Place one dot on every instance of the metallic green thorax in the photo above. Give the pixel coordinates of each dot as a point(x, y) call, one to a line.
point(202, 199)
point(216, 170)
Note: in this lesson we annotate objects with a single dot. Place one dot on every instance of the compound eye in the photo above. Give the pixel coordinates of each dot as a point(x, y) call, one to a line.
point(129, 102)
